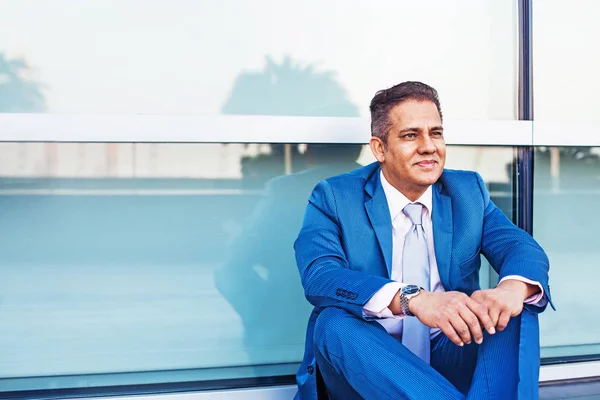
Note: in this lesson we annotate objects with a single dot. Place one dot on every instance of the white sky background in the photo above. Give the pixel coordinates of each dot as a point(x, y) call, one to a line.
point(182, 56)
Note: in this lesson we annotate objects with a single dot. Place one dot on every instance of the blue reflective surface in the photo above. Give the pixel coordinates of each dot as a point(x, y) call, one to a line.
point(132, 275)
point(566, 220)
point(109, 281)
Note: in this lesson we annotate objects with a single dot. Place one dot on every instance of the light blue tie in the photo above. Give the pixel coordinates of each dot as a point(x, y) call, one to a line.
point(415, 271)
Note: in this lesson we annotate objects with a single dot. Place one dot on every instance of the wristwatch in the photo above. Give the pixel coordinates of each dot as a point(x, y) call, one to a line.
point(407, 293)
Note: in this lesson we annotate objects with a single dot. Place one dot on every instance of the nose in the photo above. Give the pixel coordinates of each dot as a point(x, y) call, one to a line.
point(426, 145)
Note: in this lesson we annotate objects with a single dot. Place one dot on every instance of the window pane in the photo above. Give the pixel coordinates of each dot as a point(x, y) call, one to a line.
point(565, 89)
point(211, 57)
point(567, 170)
point(567, 183)
point(145, 263)
point(124, 258)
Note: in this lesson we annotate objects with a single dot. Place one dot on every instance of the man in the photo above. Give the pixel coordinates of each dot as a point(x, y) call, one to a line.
point(389, 255)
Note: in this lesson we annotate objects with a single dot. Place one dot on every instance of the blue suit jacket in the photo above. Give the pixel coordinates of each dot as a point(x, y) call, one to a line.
point(344, 252)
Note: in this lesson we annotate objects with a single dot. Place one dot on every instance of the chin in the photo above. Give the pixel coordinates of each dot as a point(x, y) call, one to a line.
point(430, 178)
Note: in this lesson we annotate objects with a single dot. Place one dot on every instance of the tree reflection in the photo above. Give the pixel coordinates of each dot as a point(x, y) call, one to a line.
point(291, 89)
point(260, 279)
point(17, 93)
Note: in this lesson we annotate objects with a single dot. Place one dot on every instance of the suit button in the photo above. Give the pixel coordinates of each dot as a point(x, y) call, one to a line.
point(338, 292)
point(310, 369)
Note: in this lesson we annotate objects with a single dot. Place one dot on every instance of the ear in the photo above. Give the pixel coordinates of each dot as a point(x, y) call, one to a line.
point(378, 148)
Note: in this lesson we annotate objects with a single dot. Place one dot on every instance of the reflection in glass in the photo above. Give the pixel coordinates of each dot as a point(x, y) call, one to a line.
point(183, 57)
point(162, 257)
point(18, 93)
point(566, 197)
point(566, 91)
point(153, 257)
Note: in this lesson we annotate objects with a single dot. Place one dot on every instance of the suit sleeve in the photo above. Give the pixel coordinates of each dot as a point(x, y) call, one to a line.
point(512, 251)
point(326, 276)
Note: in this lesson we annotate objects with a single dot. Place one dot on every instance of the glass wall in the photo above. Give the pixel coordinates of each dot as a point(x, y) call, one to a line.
point(268, 57)
point(112, 277)
point(151, 262)
point(567, 170)
point(566, 220)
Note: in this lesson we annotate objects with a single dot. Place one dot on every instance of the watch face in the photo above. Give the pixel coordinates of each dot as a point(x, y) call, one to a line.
point(410, 289)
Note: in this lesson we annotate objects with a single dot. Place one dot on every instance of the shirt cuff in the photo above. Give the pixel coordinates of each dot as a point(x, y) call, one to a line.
point(537, 299)
point(377, 306)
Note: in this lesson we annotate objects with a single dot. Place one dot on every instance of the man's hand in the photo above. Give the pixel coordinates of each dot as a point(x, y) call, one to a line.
point(504, 301)
point(457, 315)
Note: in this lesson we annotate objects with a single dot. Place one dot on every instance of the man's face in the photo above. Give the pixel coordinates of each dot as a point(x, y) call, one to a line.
point(415, 153)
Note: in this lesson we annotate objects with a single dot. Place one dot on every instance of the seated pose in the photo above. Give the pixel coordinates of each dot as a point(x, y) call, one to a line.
point(389, 255)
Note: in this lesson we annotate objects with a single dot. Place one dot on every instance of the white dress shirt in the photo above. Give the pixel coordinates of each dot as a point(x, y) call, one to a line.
point(377, 306)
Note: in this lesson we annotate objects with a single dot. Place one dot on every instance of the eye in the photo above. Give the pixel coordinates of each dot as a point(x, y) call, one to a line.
point(436, 134)
point(410, 136)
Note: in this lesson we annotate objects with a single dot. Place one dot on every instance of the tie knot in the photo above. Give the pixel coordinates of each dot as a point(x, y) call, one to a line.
point(414, 212)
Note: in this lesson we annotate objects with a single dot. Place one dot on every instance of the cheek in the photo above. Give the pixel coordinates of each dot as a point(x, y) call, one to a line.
point(405, 156)
point(441, 150)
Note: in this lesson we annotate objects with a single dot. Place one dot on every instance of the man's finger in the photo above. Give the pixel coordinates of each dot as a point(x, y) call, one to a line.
point(503, 320)
point(473, 323)
point(494, 314)
point(482, 314)
point(461, 328)
point(451, 334)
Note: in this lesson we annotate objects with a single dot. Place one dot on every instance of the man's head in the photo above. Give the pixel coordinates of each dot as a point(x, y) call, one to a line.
point(407, 136)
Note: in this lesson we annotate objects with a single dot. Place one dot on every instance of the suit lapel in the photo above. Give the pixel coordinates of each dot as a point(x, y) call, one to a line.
point(379, 215)
point(442, 233)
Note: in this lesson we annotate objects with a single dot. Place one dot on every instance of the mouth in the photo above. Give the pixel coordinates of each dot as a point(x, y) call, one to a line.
point(426, 163)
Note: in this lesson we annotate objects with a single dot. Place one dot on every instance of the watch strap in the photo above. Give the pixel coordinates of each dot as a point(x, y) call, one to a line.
point(404, 305)
point(404, 302)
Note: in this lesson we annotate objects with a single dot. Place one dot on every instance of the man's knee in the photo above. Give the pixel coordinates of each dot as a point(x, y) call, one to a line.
point(497, 372)
point(332, 323)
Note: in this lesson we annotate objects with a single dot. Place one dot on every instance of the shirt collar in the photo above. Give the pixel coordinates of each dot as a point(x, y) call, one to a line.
point(397, 201)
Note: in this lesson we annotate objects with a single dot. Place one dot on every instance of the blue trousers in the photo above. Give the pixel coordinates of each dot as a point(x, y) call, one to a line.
point(359, 359)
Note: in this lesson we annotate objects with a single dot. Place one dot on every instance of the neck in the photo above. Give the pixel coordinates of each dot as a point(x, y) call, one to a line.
point(412, 195)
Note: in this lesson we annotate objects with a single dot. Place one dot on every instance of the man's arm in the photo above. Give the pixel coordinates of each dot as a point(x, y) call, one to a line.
point(522, 290)
point(324, 270)
point(454, 313)
point(512, 251)
point(520, 262)
point(383, 303)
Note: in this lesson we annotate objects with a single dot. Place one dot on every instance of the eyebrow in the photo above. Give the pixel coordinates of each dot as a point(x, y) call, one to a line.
point(414, 129)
